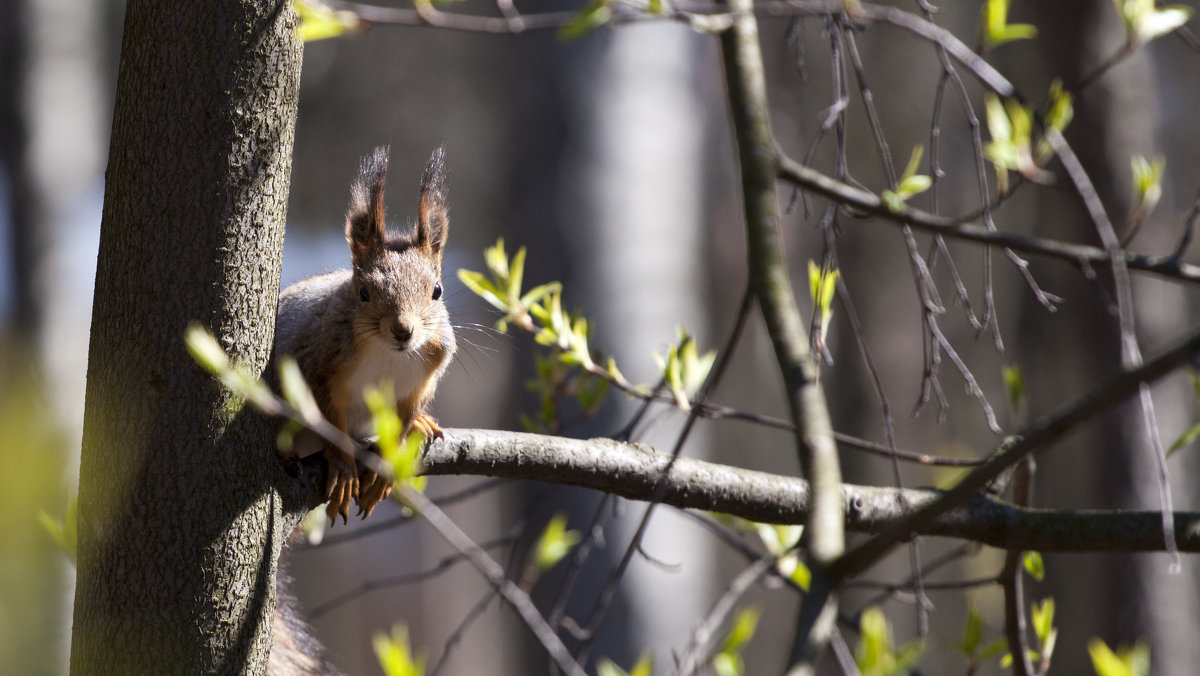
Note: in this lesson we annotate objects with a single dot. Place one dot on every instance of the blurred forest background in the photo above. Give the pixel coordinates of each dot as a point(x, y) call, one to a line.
point(610, 158)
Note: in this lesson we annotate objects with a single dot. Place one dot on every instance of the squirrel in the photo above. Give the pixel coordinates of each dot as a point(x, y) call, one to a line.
point(382, 321)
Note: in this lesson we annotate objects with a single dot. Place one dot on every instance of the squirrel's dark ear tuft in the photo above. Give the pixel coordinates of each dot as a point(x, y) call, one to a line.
point(365, 220)
point(433, 223)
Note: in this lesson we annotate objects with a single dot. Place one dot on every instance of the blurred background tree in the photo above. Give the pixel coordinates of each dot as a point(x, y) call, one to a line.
point(610, 158)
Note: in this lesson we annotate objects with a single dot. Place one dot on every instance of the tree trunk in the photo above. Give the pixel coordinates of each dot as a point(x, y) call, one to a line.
point(180, 515)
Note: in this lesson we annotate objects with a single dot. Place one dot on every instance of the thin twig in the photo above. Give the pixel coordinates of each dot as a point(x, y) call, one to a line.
point(1012, 578)
point(1036, 438)
point(1077, 254)
point(702, 634)
point(662, 480)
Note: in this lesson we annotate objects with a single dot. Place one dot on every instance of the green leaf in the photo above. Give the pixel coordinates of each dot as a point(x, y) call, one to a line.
point(727, 665)
point(296, 391)
point(1133, 661)
point(993, 649)
point(643, 667)
point(875, 654)
point(744, 626)
point(314, 525)
point(1184, 439)
point(914, 162)
point(822, 282)
point(1147, 181)
point(1145, 22)
point(64, 532)
point(910, 183)
point(516, 274)
point(1014, 387)
point(997, 30)
point(591, 392)
point(1043, 621)
point(1061, 108)
point(480, 286)
point(395, 654)
point(496, 260)
point(554, 543)
point(997, 119)
point(777, 538)
point(402, 455)
point(320, 22)
point(892, 201)
point(973, 632)
point(1032, 561)
point(728, 661)
point(209, 354)
point(205, 349)
point(593, 15)
point(539, 292)
point(914, 185)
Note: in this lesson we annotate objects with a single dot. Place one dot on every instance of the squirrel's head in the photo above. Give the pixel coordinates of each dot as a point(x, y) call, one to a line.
point(398, 277)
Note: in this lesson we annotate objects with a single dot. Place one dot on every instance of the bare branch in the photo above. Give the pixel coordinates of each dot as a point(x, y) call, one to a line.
point(1035, 438)
point(770, 281)
point(1079, 254)
point(632, 470)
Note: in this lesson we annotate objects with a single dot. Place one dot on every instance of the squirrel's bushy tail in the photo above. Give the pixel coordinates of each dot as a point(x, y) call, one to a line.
point(294, 651)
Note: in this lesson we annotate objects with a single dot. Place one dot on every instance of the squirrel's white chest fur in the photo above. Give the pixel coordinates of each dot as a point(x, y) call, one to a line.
point(379, 364)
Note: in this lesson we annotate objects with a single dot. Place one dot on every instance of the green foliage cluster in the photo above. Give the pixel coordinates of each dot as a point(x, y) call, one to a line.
point(574, 369)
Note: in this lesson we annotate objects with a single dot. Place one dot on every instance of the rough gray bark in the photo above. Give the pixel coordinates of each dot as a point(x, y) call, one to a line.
point(179, 525)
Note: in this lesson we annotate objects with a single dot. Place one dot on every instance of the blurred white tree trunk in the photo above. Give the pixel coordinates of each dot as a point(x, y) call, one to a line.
point(634, 222)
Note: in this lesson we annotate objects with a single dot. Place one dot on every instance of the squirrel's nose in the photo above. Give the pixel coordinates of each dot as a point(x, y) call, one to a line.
point(403, 332)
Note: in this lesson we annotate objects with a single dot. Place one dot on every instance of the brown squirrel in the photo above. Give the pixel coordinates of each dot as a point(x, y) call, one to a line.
point(383, 321)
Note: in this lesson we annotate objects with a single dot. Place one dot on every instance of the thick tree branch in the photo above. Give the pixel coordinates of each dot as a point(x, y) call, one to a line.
point(632, 470)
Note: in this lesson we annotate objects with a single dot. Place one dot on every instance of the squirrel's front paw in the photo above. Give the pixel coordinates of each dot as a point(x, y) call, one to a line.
point(342, 484)
point(373, 490)
point(427, 426)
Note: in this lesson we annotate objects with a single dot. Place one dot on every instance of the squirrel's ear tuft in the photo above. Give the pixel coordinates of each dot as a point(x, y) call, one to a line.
point(433, 223)
point(365, 220)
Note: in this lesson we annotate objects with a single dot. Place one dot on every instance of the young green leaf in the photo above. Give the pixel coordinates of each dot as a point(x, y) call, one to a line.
point(482, 287)
point(64, 532)
point(1147, 182)
point(296, 391)
point(1133, 661)
point(1145, 22)
point(1032, 561)
point(593, 15)
point(728, 661)
point(910, 183)
point(554, 543)
point(314, 525)
point(875, 654)
point(395, 653)
point(643, 667)
point(1014, 386)
point(997, 30)
point(1189, 435)
point(318, 21)
point(822, 285)
point(209, 354)
point(402, 455)
point(973, 632)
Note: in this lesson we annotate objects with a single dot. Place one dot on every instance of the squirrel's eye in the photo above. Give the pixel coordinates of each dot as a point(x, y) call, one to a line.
point(363, 293)
point(437, 290)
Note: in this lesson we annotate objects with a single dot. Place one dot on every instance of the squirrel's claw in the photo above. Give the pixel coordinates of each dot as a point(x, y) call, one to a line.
point(426, 425)
point(341, 486)
point(373, 490)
